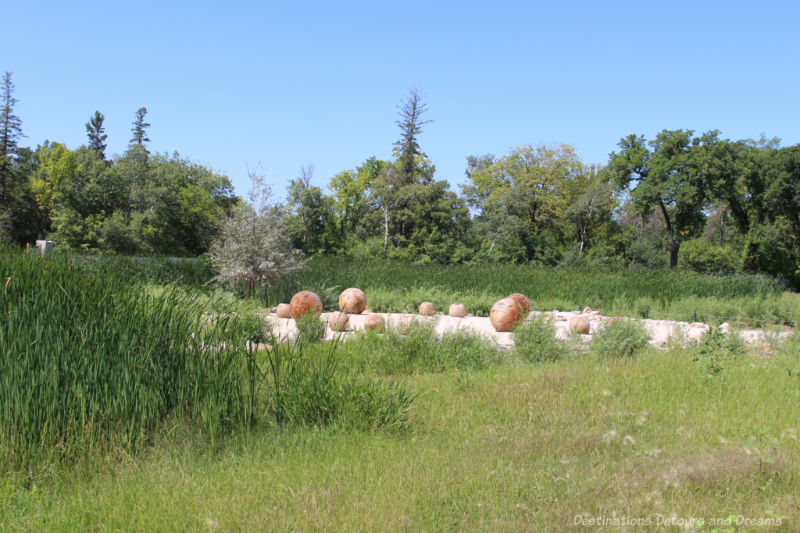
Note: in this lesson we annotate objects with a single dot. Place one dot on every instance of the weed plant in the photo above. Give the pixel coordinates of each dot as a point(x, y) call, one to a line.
point(715, 351)
point(620, 338)
point(535, 341)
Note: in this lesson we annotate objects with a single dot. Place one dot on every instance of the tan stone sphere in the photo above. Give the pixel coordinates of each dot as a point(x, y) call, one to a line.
point(283, 311)
point(305, 302)
point(338, 321)
point(506, 314)
point(457, 310)
point(427, 309)
point(353, 301)
point(374, 322)
point(579, 324)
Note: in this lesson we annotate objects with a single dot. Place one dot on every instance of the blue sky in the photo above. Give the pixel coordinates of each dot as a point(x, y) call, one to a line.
point(290, 84)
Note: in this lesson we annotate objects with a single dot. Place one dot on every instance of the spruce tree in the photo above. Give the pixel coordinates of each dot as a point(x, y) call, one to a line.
point(139, 129)
point(96, 134)
point(10, 133)
point(407, 148)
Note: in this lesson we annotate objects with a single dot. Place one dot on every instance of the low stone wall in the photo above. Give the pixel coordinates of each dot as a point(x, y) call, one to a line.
point(660, 330)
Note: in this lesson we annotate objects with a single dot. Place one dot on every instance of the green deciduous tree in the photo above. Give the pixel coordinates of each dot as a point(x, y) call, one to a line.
point(662, 175)
point(312, 223)
point(522, 200)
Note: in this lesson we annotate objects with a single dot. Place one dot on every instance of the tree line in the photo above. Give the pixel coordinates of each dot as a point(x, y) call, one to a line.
point(679, 199)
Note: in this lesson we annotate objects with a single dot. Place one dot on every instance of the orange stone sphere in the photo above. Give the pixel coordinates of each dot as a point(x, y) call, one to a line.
point(522, 300)
point(579, 324)
point(283, 311)
point(338, 321)
point(353, 301)
point(305, 302)
point(427, 309)
point(457, 310)
point(374, 322)
point(506, 314)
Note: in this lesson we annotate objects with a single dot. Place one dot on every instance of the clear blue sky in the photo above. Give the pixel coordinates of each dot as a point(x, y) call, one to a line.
point(287, 84)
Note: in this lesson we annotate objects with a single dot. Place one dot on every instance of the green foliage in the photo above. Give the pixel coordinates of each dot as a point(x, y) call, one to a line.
point(310, 328)
point(535, 341)
point(523, 200)
point(702, 256)
point(620, 338)
point(715, 351)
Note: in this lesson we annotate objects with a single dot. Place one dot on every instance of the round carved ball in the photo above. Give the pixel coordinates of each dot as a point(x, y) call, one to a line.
point(457, 310)
point(522, 300)
point(283, 311)
point(353, 301)
point(305, 302)
point(579, 324)
point(374, 322)
point(506, 314)
point(338, 321)
point(427, 309)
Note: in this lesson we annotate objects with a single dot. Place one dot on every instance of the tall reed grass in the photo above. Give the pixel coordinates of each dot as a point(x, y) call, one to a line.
point(88, 360)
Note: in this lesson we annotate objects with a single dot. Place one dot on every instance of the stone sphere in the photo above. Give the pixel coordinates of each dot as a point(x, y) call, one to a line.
point(457, 310)
point(353, 301)
point(305, 302)
point(579, 324)
point(427, 309)
point(283, 311)
point(506, 314)
point(338, 321)
point(522, 300)
point(374, 322)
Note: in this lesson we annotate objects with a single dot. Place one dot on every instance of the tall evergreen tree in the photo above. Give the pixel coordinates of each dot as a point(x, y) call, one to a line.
point(139, 128)
point(10, 133)
point(96, 133)
point(407, 148)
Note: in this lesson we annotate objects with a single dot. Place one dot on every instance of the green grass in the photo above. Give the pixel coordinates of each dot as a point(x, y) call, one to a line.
point(382, 432)
point(510, 447)
point(89, 361)
point(655, 293)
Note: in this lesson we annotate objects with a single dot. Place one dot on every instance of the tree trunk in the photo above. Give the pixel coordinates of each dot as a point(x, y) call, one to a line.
point(385, 229)
point(674, 240)
point(674, 247)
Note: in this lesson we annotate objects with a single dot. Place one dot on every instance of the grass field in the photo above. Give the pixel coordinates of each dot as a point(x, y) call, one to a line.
point(125, 407)
point(510, 447)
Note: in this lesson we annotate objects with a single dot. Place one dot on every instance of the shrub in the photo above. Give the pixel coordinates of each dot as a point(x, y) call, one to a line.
point(620, 338)
point(535, 341)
